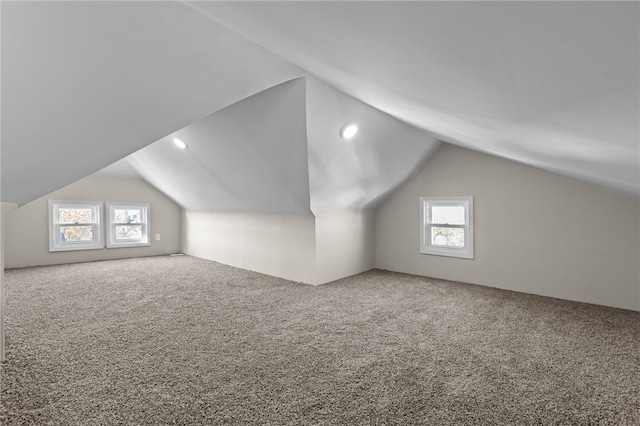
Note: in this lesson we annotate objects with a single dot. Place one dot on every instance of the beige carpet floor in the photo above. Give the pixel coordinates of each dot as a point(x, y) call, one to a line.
point(184, 341)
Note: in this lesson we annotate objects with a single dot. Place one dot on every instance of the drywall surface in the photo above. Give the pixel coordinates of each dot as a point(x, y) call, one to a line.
point(27, 228)
point(280, 245)
point(2, 356)
point(344, 243)
point(357, 173)
point(309, 249)
point(5, 208)
point(259, 139)
point(535, 231)
point(124, 75)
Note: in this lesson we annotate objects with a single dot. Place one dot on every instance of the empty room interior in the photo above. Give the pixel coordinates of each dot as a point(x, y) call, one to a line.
point(320, 213)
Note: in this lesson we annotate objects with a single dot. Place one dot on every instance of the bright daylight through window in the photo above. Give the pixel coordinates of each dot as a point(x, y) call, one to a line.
point(446, 226)
point(74, 225)
point(128, 224)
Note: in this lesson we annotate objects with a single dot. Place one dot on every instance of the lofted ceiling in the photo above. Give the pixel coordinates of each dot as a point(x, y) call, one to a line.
point(552, 84)
point(85, 84)
point(249, 156)
point(259, 90)
point(357, 173)
point(280, 151)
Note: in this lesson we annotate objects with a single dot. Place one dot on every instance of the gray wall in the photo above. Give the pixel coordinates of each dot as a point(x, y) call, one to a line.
point(26, 236)
point(535, 231)
point(304, 248)
point(5, 209)
point(344, 243)
point(275, 244)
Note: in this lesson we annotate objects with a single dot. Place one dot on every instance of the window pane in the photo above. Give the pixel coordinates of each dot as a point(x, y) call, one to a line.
point(441, 236)
point(76, 215)
point(76, 233)
point(128, 232)
point(451, 215)
point(127, 216)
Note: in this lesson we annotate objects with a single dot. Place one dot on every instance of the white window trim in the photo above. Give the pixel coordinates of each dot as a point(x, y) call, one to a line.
point(426, 247)
point(112, 242)
point(56, 244)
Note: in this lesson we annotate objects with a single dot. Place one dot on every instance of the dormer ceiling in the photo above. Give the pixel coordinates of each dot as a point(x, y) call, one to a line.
point(85, 84)
point(280, 151)
point(250, 156)
point(551, 84)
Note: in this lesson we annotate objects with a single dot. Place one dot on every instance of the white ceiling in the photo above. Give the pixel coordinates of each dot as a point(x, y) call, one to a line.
point(85, 84)
point(280, 151)
point(554, 85)
point(551, 84)
point(357, 173)
point(250, 156)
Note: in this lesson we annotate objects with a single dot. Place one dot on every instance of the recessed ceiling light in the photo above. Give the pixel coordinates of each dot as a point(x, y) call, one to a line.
point(180, 143)
point(348, 131)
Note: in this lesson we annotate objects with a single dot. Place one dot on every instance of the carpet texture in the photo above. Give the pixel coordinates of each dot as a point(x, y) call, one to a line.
point(185, 341)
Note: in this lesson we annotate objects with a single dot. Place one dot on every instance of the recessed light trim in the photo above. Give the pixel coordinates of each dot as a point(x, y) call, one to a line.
point(180, 143)
point(348, 130)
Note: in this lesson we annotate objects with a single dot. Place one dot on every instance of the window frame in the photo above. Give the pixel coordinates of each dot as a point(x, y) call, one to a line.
point(56, 243)
point(112, 241)
point(426, 224)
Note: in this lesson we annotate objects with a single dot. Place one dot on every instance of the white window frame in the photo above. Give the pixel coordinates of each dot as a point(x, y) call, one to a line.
point(426, 223)
point(56, 243)
point(112, 241)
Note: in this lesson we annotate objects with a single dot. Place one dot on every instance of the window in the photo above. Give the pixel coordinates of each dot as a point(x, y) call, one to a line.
point(128, 224)
point(446, 226)
point(74, 225)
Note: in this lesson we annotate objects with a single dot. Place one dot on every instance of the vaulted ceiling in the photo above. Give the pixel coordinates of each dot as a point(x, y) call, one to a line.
point(280, 151)
point(85, 84)
point(259, 91)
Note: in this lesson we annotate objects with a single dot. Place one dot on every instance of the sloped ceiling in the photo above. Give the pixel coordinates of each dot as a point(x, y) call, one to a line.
point(359, 172)
point(551, 84)
point(280, 151)
point(85, 84)
point(250, 156)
